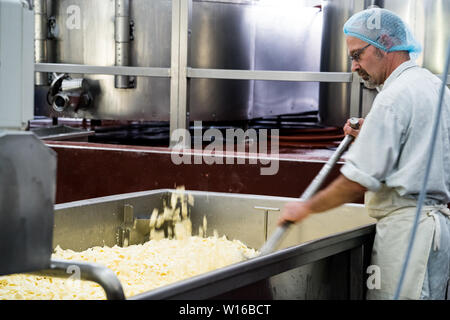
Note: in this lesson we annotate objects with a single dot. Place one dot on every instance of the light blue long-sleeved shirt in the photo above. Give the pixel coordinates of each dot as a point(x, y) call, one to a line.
point(392, 146)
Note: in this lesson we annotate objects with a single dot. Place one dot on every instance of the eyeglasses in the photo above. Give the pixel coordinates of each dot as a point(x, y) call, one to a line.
point(357, 54)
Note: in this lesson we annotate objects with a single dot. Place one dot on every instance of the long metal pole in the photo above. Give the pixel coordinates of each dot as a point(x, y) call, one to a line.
point(122, 40)
point(40, 39)
point(273, 242)
point(179, 104)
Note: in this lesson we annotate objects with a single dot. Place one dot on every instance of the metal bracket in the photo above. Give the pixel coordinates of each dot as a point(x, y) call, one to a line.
point(130, 226)
point(124, 231)
point(355, 96)
point(179, 102)
point(266, 218)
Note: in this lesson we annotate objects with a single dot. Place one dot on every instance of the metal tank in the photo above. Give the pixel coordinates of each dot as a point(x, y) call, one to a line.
point(334, 101)
point(287, 39)
point(231, 34)
point(430, 24)
point(428, 21)
point(138, 33)
point(84, 32)
point(324, 257)
point(223, 36)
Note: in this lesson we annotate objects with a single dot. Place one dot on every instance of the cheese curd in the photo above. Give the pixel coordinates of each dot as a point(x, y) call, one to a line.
point(140, 268)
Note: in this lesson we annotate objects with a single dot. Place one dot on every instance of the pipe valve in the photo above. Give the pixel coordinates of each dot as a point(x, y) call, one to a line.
point(66, 92)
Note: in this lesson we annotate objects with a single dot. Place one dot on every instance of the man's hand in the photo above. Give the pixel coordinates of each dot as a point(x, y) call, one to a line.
point(294, 212)
point(349, 130)
point(340, 191)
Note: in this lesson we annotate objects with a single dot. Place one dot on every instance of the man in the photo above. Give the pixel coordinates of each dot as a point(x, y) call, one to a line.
point(386, 163)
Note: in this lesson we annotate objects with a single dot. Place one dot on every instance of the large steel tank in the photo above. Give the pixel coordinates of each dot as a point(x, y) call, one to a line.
point(428, 21)
point(221, 37)
point(334, 101)
point(225, 34)
point(288, 38)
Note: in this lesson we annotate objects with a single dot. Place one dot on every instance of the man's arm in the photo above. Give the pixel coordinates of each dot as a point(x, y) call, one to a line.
point(340, 191)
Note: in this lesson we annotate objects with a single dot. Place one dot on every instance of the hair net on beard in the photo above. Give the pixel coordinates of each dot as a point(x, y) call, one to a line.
point(384, 30)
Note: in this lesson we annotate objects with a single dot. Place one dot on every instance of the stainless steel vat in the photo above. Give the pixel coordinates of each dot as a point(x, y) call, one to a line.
point(300, 269)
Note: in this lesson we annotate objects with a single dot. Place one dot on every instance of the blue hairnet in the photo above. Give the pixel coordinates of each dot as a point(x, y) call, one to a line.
point(382, 29)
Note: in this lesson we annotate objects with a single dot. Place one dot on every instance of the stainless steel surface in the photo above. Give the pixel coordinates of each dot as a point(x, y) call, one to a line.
point(75, 68)
point(67, 94)
point(430, 25)
point(179, 86)
point(287, 39)
point(27, 194)
point(228, 37)
point(297, 76)
point(92, 42)
point(73, 84)
point(278, 268)
point(86, 36)
point(105, 277)
point(335, 98)
point(62, 133)
point(83, 224)
point(223, 35)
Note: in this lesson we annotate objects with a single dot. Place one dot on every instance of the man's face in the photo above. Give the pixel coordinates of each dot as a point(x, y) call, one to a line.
point(369, 62)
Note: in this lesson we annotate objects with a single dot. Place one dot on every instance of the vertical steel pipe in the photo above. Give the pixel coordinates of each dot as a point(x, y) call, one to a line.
point(122, 39)
point(179, 87)
point(40, 39)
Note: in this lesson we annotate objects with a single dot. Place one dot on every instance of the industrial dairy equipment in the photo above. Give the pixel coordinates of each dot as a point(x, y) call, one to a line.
point(335, 242)
point(28, 167)
point(126, 58)
point(179, 61)
point(222, 35)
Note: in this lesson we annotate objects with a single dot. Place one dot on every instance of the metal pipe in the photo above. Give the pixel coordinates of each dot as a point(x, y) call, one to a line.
point(314, 186)
point(105, 277)
point(109, 70)
point(40, 39)
point(179, 84)
point(122, 39)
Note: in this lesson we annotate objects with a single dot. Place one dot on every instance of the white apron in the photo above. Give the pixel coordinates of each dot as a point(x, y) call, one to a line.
point(395, 217)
